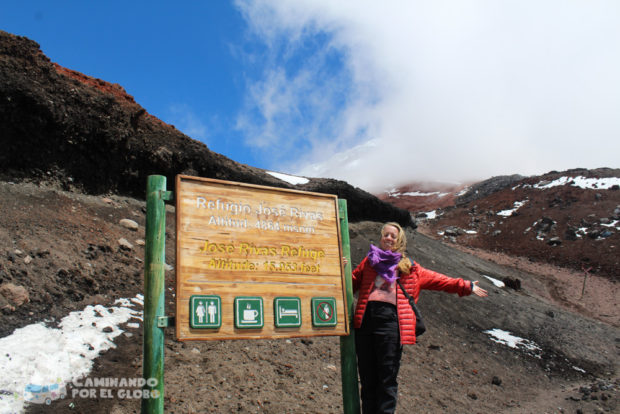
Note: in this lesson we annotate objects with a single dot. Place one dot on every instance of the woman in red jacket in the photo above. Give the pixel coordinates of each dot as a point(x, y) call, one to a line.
point(383, 318)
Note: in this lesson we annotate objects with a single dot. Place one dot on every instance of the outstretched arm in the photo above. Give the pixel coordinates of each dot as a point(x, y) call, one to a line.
point(477, 290)
point(432, 280)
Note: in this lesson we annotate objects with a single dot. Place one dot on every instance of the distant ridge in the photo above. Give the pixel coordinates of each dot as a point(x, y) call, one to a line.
point(567, 218)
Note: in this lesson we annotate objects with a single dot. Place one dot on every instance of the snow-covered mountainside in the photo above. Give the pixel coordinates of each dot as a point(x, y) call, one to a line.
point(569, 218)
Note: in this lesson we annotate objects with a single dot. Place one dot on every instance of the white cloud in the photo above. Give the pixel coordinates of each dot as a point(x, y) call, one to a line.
point(449, 90)
point(294, 104)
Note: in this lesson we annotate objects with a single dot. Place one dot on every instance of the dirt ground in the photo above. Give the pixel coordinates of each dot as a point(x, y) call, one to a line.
point(63, 248)
point(596, 297)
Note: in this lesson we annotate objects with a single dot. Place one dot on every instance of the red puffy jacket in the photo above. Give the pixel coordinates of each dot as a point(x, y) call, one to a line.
point(419, 278)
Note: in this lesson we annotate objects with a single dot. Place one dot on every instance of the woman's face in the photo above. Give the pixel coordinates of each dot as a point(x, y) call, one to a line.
point(388, 238)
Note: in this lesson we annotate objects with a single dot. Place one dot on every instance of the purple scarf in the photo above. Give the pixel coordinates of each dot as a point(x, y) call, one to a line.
point(384, 262)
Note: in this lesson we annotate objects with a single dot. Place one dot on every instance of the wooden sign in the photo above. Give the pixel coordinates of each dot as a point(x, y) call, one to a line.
point(257, 262)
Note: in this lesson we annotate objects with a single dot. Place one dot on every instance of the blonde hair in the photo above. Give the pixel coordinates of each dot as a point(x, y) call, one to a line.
point(400, 246)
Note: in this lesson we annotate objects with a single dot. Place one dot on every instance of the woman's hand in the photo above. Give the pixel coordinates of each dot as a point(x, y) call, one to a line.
point(478, 291)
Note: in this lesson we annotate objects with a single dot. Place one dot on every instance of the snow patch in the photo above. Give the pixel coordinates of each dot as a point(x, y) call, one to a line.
point(517, 205)
point(41, 355)
point(496, 282)
point(506, 338)
point(431, 214)
point(581, 182)
point(613, 224)
point(291, 179)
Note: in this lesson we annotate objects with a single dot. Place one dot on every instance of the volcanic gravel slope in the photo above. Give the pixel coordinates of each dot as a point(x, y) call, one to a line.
point(76, 260)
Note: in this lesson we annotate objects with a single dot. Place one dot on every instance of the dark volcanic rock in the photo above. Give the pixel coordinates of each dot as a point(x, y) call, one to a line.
point(565, 224)
point(60, 125)
point(487, 187)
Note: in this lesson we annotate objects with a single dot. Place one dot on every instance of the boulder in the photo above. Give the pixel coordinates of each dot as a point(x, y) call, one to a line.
point(571, 233)
point(452, 231)
point(488, 187)
point(545, 225)
point(124, 244)
point(512, 283)
point(15, 295)
point(129, 224)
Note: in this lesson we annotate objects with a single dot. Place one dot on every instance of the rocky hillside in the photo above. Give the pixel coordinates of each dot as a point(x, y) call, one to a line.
point(87, 134)
point(61, 251)
point(569, 218)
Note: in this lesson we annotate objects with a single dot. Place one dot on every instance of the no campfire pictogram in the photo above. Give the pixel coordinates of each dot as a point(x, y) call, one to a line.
point(324, 312)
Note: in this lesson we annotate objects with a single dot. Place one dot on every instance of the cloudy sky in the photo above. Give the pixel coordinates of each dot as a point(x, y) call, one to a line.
point(375, 93)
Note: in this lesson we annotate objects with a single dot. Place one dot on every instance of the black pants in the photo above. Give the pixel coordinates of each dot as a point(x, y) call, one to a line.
point(378, 348)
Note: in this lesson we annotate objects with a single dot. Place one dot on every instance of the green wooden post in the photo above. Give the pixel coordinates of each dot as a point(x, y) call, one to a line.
point(154, 316)
point(348, 359)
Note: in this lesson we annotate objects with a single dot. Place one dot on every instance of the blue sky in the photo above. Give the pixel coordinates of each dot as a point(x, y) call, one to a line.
point(375, 93)
point(185, 64)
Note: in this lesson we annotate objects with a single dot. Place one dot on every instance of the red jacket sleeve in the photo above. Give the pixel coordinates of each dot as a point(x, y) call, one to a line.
point(432, 280)
point(357, 275)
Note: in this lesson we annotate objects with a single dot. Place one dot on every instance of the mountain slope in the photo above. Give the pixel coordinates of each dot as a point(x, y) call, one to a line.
point(63, 248)
point(569, 218)
point(84, 133)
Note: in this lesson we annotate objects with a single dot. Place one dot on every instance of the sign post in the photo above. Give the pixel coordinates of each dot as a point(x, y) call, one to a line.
point(252, 262)
point(154, 260)
point(348, 358)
